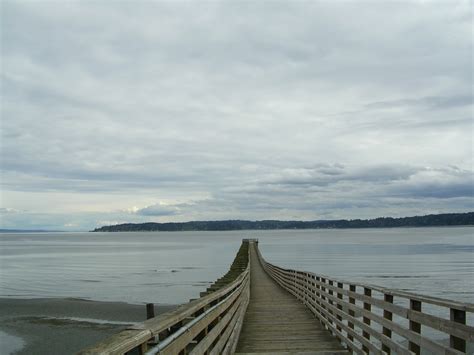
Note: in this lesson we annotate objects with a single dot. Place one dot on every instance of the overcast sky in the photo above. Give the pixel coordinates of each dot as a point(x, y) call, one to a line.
point(173, 111)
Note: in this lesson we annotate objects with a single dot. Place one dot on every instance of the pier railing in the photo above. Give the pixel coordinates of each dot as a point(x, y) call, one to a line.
point(369, 319)
point(208, 325)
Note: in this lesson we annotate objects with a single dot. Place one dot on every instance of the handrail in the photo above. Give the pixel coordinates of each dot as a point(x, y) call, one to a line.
point(210, 324)
point(392, 320)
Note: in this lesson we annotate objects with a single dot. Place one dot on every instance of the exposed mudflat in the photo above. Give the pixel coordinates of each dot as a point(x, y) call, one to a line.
point(63, 326)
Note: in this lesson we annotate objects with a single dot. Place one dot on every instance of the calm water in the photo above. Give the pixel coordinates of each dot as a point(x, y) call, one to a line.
point(174, 267)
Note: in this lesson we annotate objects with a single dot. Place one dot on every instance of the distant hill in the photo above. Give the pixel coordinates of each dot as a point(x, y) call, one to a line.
point(446, 219)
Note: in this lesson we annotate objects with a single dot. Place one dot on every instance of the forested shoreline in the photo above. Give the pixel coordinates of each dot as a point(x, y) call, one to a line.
point(432, 220)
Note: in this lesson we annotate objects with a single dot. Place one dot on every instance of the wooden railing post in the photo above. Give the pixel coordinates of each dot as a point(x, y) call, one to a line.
point(331, 283)
point(294, 283)
point(415, 326)
point(457, 316)
point(150, 310)
point(339, 306)
point(366, 320)
point(299, 287)
point(323, 297)
point(389, 316)
point(352, 288)
point(314, 296)
point(306, 288)
point(318, 295)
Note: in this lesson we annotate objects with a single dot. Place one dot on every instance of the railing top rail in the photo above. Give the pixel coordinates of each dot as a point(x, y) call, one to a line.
point(340, 304)
point(139, 334)
point(233, 294)
point(163, 321)
point(465, 306)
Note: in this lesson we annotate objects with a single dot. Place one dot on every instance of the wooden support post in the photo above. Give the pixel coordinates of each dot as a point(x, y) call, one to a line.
point(457, 316)
point(297, 290)
point(309, 290)
point(387, 315)
point(323, 291)
point(318, 293)
point(301, 286)
point(339, 307)
point(318, 297)
point(330, 302)
point(314, 297)
point(294, 282)
point(415, 326)
point(150, 310)
point(367, 307)
point(352, 300)
point(305, 288)
point(143, 348)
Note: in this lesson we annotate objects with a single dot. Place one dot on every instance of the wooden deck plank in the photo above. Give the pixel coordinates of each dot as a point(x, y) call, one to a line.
point(277, 323)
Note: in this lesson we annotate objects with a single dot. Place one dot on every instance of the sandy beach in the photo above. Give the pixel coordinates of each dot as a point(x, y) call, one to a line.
point(40, 326)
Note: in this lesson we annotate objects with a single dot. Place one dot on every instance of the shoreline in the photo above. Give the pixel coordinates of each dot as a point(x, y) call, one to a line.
point(26, 323)
point(15, 232)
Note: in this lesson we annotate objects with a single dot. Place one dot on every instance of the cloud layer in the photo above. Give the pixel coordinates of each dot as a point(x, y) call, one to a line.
point(234, 110)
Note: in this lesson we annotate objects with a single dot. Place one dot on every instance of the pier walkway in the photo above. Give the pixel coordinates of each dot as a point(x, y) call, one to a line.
point(276, 322)
point(261, 308)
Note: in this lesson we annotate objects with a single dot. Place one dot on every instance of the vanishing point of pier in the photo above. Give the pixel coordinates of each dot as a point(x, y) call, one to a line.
point(260, 308)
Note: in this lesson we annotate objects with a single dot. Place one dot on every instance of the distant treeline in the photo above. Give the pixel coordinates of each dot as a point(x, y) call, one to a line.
point(446, 219)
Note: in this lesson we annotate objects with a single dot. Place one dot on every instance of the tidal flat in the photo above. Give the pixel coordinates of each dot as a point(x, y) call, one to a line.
point(63, 325)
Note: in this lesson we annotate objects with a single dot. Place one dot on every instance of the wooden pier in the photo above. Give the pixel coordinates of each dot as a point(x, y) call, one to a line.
point(276, 322)
point(260, 308)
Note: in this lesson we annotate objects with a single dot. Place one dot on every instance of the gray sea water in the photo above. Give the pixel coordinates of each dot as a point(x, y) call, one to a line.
point(173, 267)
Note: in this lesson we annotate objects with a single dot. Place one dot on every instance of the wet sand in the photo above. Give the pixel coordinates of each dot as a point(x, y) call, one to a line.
point(63, 326)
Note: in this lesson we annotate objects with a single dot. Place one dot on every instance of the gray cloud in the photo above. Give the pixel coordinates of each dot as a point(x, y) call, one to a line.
point(439, 190)
point(431, 103)
point(325, 175)
point(234, 109)
point(438, 183)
